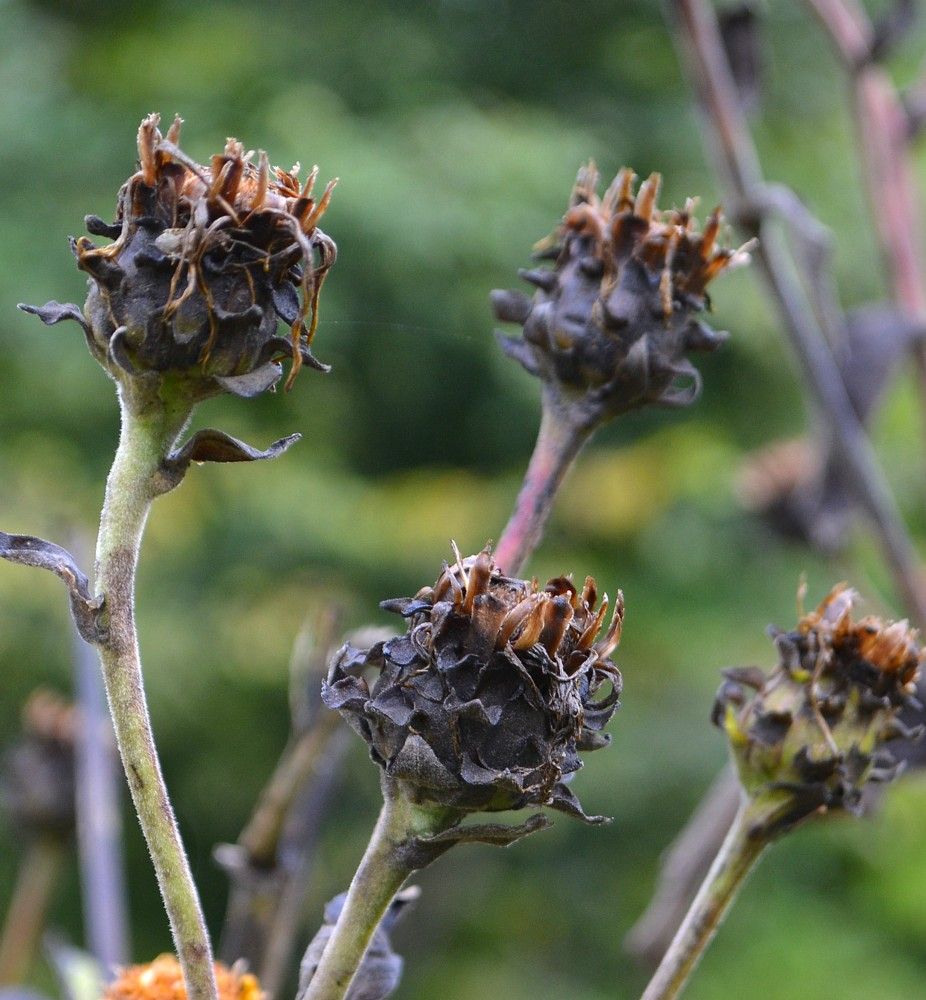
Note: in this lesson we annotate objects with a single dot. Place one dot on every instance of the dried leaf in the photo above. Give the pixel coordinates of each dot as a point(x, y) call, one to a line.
point(216, 446)
point(30, 551)
point(381, 970)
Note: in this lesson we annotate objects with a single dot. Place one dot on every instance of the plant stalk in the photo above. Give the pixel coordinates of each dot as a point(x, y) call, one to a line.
point(385, 866)
point(149, 429)
point(735, 860)
point(25, 920)
point(559, 441)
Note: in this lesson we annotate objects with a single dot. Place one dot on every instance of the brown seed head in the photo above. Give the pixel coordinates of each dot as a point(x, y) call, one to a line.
point(811, 734)
point(205, 260)
point(610, 324)
point(485, 701)
point(37, 774)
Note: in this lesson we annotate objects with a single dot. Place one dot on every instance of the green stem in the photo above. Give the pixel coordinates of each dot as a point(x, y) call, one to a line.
point(148, 432)
point(735, 860)
point(385, 866)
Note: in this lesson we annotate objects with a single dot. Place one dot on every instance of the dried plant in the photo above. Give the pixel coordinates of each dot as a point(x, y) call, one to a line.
point(183, 304)
point(813, 733)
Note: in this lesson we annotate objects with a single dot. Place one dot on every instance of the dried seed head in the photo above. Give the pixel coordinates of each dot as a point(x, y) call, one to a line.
point(486, 700)
point(808, 736)
point(162, 979)
point(37, 775)
point(610, 325)
point(205, 260)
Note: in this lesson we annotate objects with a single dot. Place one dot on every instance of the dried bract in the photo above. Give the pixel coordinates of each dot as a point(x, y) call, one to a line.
point(815, 730)
point(162, 979)
point(487, 699)
point(610, 324)
point(205, 260)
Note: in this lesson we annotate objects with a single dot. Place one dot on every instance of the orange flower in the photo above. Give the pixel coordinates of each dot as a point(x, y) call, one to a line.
point(162, 979)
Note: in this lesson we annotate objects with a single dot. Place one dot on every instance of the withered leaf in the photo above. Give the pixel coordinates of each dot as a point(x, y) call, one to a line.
point(30, 551)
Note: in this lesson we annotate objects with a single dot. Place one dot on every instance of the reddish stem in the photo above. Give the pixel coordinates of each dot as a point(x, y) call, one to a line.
point(559, 441)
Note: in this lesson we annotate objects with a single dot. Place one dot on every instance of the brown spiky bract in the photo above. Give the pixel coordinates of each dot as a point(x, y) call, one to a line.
point(162, 979)
point(205, 260)
point(814, 731)
point(486, 700)
point(610, 324)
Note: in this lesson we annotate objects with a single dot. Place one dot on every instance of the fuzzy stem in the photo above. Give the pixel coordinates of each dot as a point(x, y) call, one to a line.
point(25, 920)
point(559, 441)
point(735, 860)
point(385, 866)
point(148, 432)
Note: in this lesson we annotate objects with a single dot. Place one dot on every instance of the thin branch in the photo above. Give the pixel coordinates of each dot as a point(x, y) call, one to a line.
point(883, 125)
point(25, 919)
point(739, 164)
point(684, 866)
point(736, 859)
point(559, 441)
point(812, 330)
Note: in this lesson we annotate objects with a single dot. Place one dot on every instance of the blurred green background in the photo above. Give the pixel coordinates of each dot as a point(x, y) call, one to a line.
point(456, 127)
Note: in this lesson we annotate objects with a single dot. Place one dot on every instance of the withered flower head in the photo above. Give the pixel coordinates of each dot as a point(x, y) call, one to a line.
point(162, 979)
point(37, 775)
point(205, 260)
point(486, 700)
point(610, 324)
point(815, 729)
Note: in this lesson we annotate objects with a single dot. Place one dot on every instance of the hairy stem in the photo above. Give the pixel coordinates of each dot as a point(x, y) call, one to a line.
point(734, 862)
point(99, 819)
point(25, 919)
point(559, 441)
point(385, 866)
point(148, 432)
point(683, 867)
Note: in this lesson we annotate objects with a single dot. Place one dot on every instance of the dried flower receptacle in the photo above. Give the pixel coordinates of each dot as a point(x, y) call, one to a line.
point(813, 732)
point(205, 262)
point(484, 704)
point(486, 701)
point(610, 325)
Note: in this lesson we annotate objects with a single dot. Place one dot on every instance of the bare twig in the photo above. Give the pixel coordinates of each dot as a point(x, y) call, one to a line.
point(25, 920)
point(883, 125)
point(684, 867)
point(739, 165)
point(272, 861)
point(814, 325)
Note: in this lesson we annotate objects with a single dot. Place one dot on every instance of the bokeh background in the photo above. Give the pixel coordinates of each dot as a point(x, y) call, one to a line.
point(456, 127)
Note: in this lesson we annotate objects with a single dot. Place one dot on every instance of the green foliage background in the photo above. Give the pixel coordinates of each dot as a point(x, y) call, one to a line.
point(456, 127)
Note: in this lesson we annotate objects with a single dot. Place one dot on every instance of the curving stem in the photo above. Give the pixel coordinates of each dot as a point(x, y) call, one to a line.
point(387, 863)
point(149, 429)
point(735, 860)
point(559, 441)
